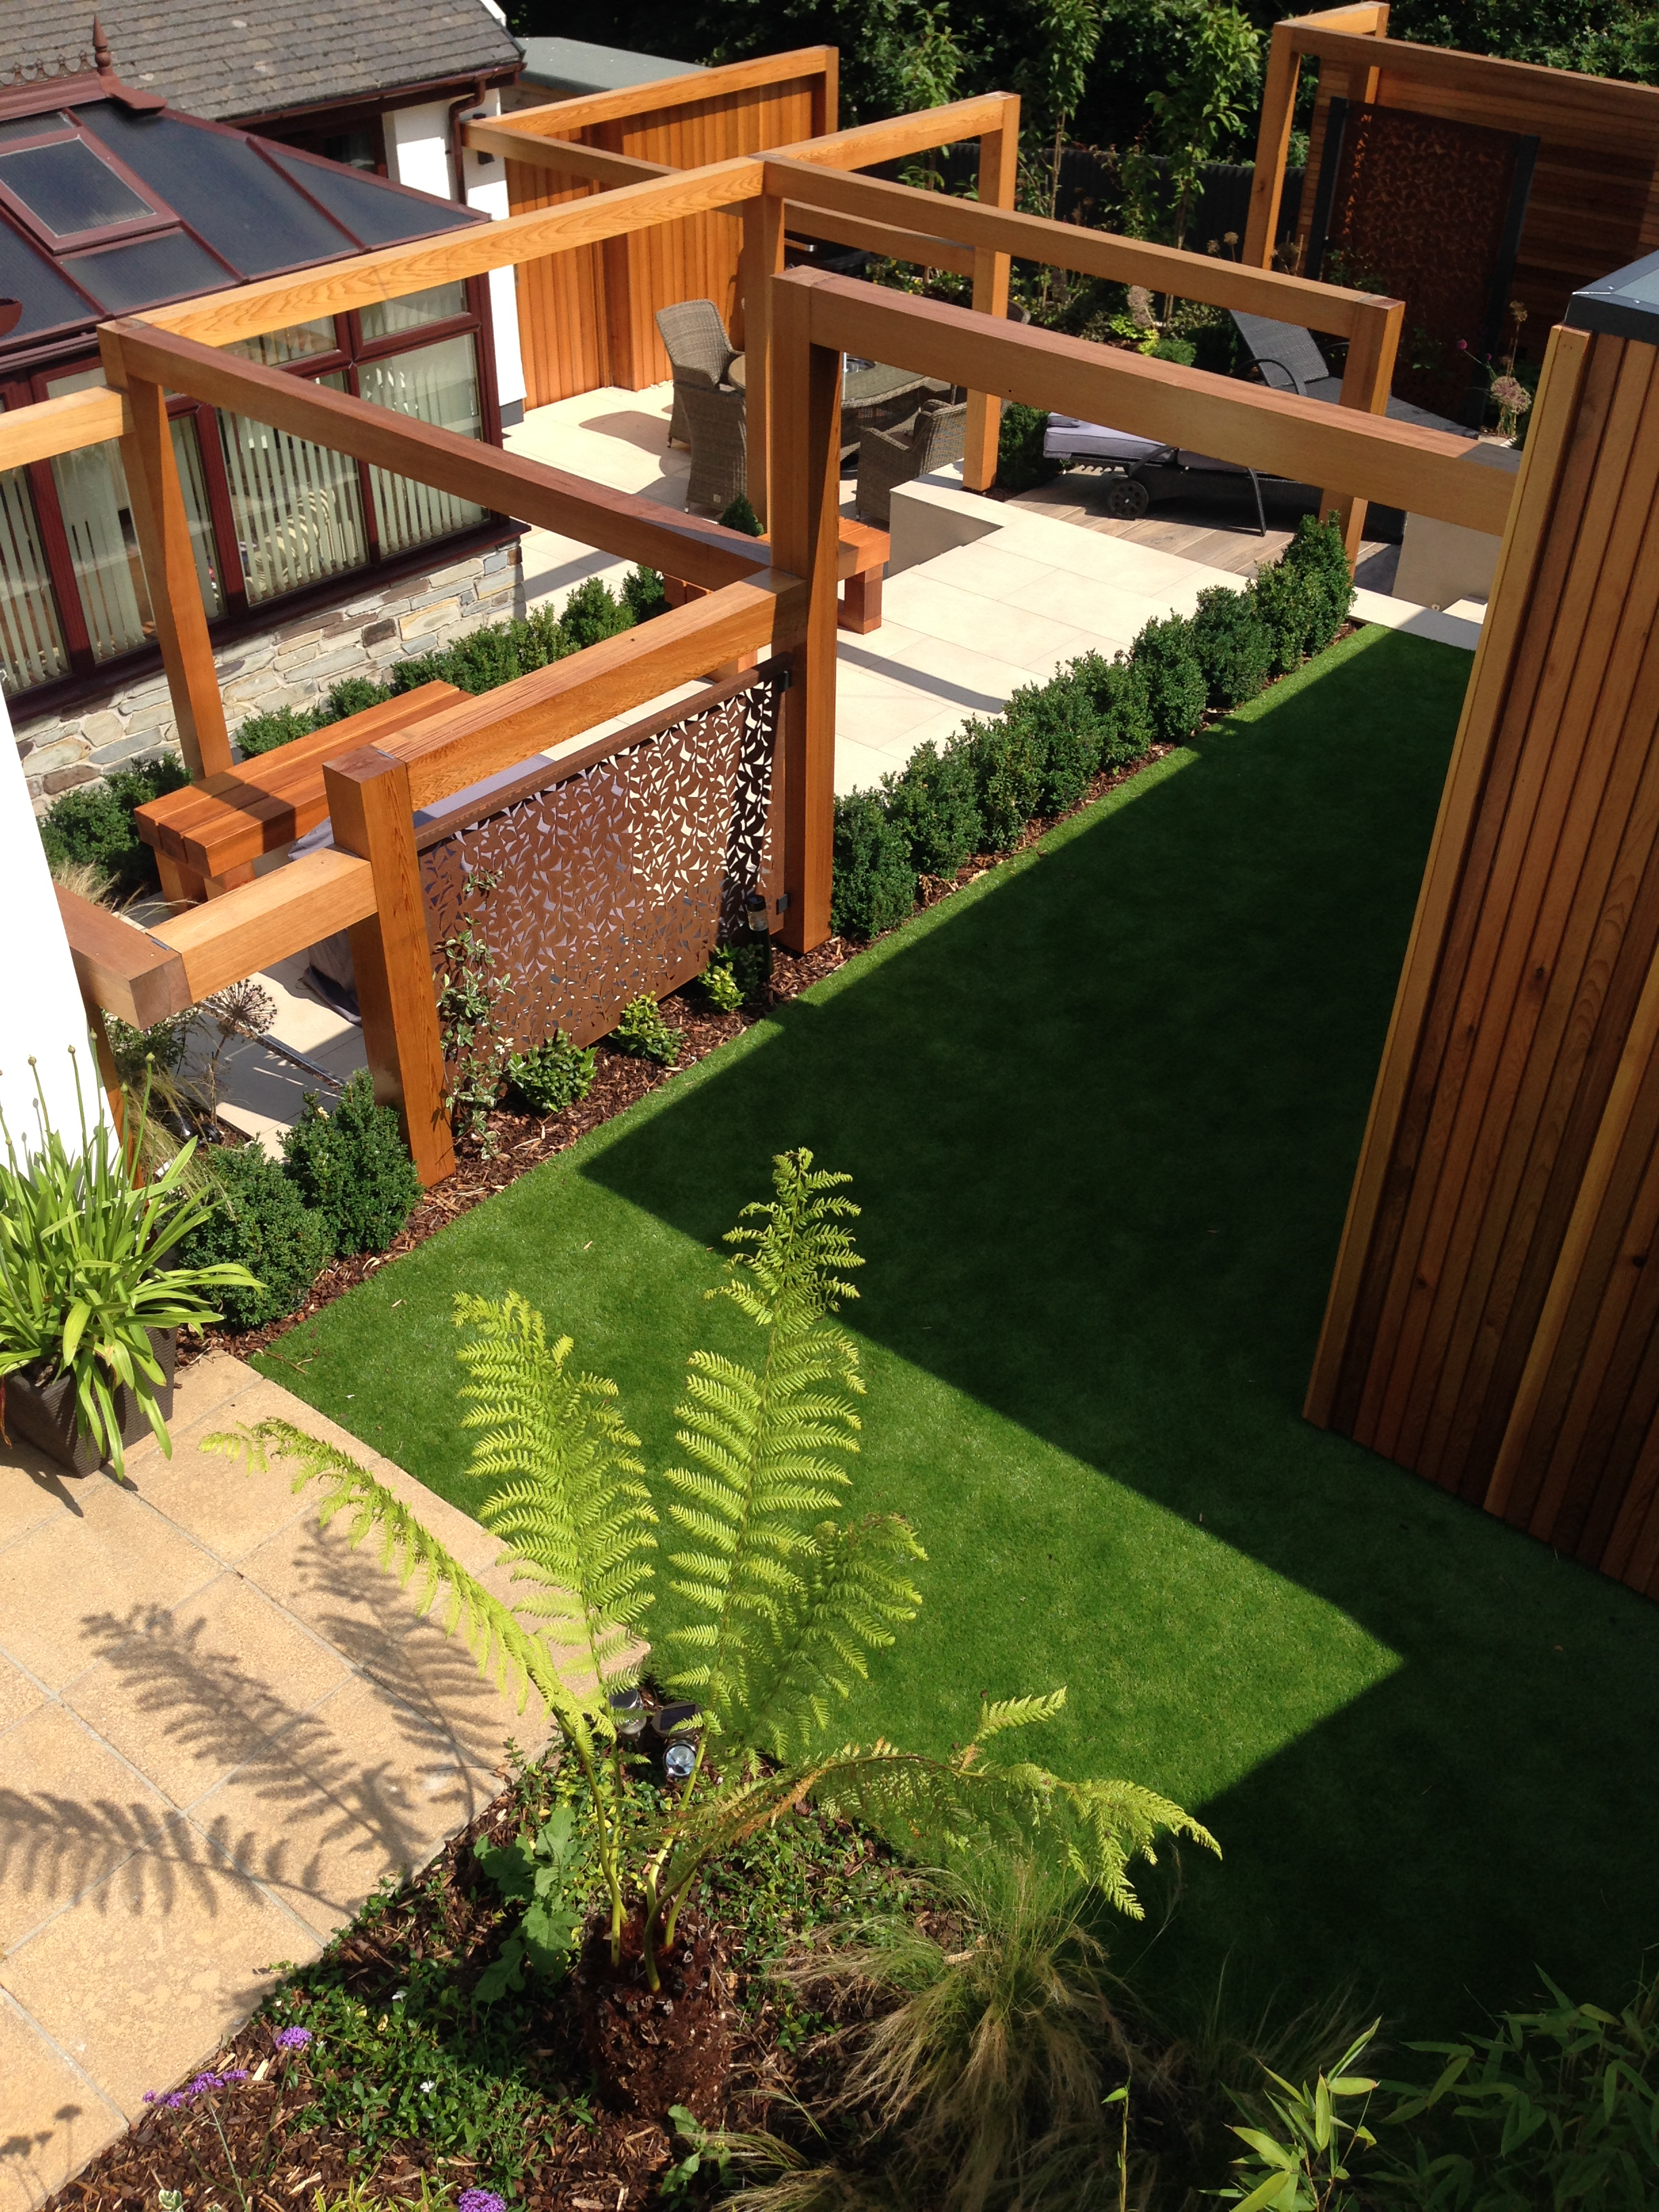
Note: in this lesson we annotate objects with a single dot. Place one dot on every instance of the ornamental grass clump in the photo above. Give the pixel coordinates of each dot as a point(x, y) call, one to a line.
point(987, 2064)
point(783, 1588)
point(91, 1262)
point(554, 1075)
point(352, 1166)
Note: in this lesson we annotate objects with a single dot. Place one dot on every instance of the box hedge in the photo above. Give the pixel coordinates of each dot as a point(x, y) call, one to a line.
point(1041, 755)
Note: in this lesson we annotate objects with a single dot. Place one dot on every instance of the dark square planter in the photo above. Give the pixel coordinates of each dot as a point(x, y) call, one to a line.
point(43, 1414)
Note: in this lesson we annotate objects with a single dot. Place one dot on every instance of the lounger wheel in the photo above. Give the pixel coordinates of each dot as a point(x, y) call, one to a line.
point(1128, 499)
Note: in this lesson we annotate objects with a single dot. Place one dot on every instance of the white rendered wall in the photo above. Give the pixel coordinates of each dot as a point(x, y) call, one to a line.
point(417, 155)
point(40, 1011)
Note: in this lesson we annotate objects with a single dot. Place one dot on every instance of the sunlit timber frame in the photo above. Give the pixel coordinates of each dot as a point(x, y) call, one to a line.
point(799, 325)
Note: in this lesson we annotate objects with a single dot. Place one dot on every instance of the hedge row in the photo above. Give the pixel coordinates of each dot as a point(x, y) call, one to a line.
point(1040, 755)
point(479, 661)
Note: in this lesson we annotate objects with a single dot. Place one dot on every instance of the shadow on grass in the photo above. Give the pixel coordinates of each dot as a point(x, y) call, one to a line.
point(1102, 1119)
point(1101, 1113)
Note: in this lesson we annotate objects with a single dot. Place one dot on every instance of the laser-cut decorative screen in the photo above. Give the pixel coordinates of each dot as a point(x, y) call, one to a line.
point(615, 875)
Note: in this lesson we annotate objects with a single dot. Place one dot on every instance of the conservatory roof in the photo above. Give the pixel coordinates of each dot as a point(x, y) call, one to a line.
point(111, 202)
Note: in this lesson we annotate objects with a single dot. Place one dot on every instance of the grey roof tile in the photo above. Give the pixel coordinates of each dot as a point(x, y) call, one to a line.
point(228, 59)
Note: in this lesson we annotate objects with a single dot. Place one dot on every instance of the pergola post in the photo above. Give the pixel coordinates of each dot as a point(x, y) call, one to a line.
point(1367, 381)
point(370, 807)
point(762, 260)
point(806, 534)
point(998, 175)
point(169, 562)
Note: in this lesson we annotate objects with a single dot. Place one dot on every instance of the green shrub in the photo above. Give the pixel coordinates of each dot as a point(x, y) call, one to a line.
point(354, 1167)
point(1059, 717)
point(1287, 600)
point(641, 1030)
point(1021, 462)
point(352, 695)
point(934, 799)
point(1008, 765)
point(550, 1077)
point(94, 823)
point(1175, 689)
point(1233, 647)
point(491, 655)
point(1123, 714)
point(874, 884)
point(263, 733)
point(741, 516)
point(1181, 350)
point(724, 993)
point(1317, 553)
point(259, 1218)
point(593, 613)
point(643, 594)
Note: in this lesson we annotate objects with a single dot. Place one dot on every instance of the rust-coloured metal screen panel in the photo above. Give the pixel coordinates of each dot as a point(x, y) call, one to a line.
point(614, 876)
point(1423, 209)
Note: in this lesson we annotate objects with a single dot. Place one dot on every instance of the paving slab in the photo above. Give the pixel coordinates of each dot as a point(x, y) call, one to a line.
point(221, 1729)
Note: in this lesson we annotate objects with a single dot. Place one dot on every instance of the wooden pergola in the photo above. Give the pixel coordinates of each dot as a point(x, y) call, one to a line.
point(1489, 1321)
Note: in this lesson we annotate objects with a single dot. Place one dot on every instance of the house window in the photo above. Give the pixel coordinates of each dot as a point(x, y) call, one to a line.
point(270, 514)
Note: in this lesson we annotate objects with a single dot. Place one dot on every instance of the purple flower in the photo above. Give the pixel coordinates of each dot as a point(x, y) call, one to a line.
point(200, 2087)
point(292, 2039)
point(479, 2200)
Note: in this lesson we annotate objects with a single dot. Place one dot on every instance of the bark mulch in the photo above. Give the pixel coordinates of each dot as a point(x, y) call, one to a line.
point(276, 2140)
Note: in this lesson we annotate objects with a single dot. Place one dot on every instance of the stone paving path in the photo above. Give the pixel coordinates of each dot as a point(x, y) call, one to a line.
point(220, 1728)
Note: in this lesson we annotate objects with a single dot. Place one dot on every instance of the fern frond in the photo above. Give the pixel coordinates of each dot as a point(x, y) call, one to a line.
point(857, 1592)
point(1016, 1712)
point(761, 1450)
point(572, 1506)
point(505, 1651)
point(932, 1807)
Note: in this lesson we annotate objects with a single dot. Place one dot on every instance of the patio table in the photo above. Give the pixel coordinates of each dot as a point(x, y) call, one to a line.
point(871, 385)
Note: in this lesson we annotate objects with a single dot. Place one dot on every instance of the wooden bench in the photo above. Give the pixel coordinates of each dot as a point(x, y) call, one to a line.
point(207, 837)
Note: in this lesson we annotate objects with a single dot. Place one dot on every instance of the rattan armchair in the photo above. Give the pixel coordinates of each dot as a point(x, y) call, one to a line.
point(890, 457)
point(716, 422)
point(700, 352)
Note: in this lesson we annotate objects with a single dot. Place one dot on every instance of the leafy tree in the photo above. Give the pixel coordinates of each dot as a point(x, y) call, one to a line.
point(784, 1594)
point(1208, 100)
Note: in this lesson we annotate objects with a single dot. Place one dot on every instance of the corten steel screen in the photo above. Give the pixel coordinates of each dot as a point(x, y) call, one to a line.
point(1425, 210)
point(616, 878)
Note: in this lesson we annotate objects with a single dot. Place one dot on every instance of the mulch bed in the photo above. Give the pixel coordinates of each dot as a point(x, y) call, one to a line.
point(247, 2147)
point(524, 1141)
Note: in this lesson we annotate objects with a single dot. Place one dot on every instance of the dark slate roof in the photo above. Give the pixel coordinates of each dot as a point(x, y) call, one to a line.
point(225, 59)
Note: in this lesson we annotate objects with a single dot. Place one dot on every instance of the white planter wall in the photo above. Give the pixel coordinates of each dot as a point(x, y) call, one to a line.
point(41, 1016)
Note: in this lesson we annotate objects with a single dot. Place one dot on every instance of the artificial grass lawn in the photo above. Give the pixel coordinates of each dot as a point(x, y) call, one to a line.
point(1102, 1111)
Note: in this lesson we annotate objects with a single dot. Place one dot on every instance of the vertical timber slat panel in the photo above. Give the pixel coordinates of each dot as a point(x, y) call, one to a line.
point(1497, 1329)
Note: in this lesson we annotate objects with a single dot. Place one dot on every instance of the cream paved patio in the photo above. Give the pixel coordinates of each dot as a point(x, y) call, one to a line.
point(220, 1729)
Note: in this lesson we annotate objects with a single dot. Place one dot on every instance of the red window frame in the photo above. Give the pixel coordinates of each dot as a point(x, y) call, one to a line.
point(350, 350)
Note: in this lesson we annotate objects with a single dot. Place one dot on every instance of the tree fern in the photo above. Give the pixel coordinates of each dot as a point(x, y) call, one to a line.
point(785, 1604)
